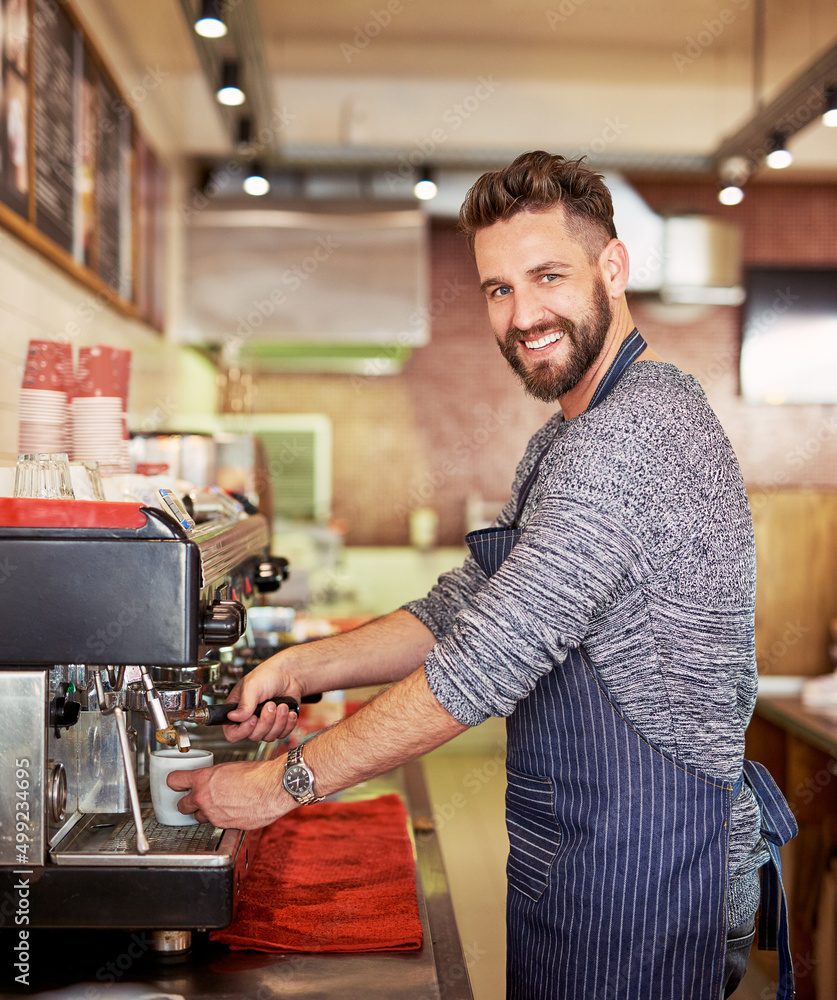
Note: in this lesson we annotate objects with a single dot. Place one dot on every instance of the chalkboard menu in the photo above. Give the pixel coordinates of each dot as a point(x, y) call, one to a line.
point(69, 155)
point(108, 180)
point(14, 106)
point(55, 85)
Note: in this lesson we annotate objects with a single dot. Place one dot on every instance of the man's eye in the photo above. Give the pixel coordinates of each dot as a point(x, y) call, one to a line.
point(499, 291)
point(548, 277)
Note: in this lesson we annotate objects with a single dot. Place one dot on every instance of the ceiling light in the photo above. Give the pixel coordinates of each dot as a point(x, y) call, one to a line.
point(829, 116)
point(731, 194)
point(229, 92)
point(425, 187)
point(256, 183)
point(210, 23)
point(245, 137)
point(778, 156)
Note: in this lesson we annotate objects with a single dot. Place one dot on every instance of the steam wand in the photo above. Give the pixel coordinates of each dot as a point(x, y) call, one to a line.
point(122, 729)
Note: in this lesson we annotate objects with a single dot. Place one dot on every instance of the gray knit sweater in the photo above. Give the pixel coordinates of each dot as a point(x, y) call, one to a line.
point(638, 544)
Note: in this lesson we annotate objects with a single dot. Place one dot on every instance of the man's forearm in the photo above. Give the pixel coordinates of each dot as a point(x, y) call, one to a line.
point(400, 724)
point(380, 652)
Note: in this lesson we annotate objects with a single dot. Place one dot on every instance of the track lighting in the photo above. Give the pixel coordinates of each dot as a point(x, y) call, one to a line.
point(731, 194)
point(256, 183)
point(829, 116)
point(229, 93)
point(425, 187)
point(778, 156)
point(210, 23)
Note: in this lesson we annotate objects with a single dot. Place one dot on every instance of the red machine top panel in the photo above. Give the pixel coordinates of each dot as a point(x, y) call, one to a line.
point(17, 512)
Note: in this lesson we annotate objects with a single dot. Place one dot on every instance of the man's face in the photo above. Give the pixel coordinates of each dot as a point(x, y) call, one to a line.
point(548, 305)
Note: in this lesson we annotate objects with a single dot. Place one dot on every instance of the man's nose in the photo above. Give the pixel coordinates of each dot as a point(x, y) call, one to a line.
point(528, 309)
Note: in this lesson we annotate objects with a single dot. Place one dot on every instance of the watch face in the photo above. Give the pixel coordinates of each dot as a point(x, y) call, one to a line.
point(297, 779)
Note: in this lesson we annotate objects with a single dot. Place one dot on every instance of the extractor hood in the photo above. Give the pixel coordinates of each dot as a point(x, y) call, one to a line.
point(332, 287)
point(693, 259)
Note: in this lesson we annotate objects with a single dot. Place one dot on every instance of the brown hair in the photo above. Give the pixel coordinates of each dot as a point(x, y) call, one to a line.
point(537, 182)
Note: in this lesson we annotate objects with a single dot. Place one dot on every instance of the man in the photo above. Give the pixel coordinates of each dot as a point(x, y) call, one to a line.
point(609, 616)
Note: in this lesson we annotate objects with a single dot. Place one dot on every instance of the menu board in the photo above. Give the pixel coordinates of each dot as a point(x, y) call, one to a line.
point(86, 132)
point(14, 106)
point(108, 186)
point(54, 70)
point(73, 170)
point(150, 198)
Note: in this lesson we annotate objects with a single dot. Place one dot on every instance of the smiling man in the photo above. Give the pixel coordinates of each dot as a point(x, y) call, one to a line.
point(608, 615)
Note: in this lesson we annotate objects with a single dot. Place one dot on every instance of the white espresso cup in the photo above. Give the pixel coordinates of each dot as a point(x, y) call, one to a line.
point(165, 799)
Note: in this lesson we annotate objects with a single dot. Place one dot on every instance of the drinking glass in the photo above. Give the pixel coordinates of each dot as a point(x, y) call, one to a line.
point(45, 475)
point(87, 480)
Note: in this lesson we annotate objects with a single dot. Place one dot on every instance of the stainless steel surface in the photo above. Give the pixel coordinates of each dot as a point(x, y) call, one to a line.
point(171, 942)
point(205, 672)
point(225, 545)
point(23, 696)
point(100, 782)
point(178, 699)
point(110, 841)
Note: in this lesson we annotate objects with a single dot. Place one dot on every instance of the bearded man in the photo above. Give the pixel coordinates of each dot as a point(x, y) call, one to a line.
point(608, 615)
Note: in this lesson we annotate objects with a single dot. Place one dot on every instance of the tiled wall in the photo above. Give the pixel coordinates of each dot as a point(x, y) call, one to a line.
point(169, 386)
point(455, 421)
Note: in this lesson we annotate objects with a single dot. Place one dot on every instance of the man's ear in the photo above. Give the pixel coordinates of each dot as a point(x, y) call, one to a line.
point(615, 268)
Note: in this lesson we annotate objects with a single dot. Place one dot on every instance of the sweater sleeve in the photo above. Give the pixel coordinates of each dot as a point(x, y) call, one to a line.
point(453, 592)
point(456, 590)
point(571, 561)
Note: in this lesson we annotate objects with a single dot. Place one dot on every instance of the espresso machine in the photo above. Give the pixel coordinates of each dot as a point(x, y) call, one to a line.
point(112, 616)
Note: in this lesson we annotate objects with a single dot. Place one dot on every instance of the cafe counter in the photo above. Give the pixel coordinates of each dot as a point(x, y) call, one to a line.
point(798, 744)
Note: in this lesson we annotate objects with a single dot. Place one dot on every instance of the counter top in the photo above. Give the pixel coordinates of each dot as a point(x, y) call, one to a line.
point(91, 964)
point(817, 726)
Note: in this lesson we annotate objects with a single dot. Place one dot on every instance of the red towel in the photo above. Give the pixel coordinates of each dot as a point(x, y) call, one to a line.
point(334, 876)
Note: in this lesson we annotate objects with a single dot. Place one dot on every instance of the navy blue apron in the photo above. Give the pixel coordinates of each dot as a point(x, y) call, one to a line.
point(618, 851)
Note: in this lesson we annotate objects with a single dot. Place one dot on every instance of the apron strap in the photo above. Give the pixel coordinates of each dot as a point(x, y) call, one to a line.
point(778, 826)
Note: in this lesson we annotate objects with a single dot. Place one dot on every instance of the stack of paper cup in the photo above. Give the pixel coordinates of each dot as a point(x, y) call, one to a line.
point(47, 375)
point(98, 412)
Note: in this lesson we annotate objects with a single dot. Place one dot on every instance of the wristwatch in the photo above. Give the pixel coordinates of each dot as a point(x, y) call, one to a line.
point(298, 780)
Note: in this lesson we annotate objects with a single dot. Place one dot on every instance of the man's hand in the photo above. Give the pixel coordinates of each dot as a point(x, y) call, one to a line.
point(239, 796)
point(269, 680)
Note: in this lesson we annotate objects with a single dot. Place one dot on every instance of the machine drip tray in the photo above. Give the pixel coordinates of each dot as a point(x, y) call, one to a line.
point(109, 839)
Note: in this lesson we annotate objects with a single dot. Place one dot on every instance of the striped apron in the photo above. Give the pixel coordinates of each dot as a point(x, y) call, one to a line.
point(617, 865)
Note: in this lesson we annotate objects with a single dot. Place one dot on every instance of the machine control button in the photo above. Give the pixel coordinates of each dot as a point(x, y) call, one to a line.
point(63, 714)
point(271, 573)
point(223, 624)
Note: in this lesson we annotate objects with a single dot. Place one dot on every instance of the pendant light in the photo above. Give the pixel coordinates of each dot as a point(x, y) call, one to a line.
point(425, 187)
point(210, 22)
point(778, 155)
point(256, 183)
point(229, 93)
point(829, 116)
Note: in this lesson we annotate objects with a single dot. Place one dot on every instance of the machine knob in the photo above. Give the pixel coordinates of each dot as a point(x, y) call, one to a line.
point(223, 624)
point(63, 713)
point(270, 574)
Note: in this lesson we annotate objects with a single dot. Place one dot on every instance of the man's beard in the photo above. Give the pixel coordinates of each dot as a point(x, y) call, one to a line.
point(547, 380)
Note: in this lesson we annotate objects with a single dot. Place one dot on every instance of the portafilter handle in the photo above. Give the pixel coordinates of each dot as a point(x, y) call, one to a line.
point(216, 715)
